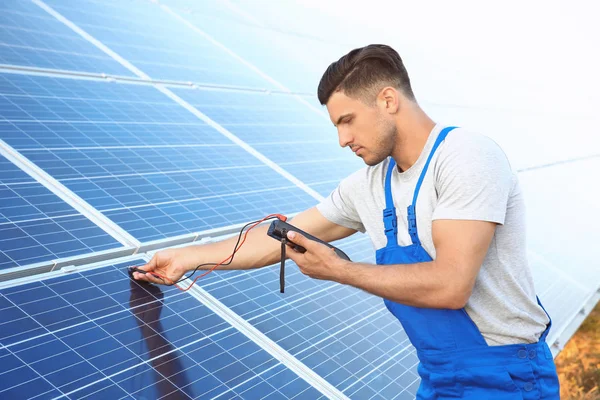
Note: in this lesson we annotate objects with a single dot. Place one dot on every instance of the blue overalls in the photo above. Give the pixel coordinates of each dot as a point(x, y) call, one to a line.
point(455, 360)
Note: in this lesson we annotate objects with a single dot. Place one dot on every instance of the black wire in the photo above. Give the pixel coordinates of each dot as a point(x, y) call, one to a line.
point(235, 250)
point(282, 266)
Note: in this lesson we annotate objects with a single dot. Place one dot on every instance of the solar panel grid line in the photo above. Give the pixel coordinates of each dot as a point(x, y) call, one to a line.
point(137, 54)
point(30, 381)
point(90, 38)
point(250, 18)
point(393, 357)
point(196, 238)
point(161, 172)
point(68, 196)
point(242, 275)
point(39, 49)
point(341, 328)
point(216, 196)
point(561, 336)
point(51, 275)
point(63, 73)
point(347, 327)
point(32, 38)
point(352, 379)
point(547, 263)
point(242, 144)
point(241, 59)
point(9, 274)
point(586, 306)
point(362, 353)
point(216, 333)
point(300, 162)
point(55, 72)
point(184, 104)
point(313, 295)
point(10, 351)
point(172, 146)
point(267, 344)
point(559, 162)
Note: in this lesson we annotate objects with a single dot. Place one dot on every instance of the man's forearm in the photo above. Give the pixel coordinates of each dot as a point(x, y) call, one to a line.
point(258, 251)
point(418, 285)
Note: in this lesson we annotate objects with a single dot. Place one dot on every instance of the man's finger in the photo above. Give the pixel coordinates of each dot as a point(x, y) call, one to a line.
point(148, 277)
point(294, 255)
point(151, 265)
point(300, 240)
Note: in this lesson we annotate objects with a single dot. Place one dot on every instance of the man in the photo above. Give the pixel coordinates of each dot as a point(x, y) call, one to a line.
point(452, 263)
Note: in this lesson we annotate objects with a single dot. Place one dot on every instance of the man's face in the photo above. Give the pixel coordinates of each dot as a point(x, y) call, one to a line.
point(367, 129)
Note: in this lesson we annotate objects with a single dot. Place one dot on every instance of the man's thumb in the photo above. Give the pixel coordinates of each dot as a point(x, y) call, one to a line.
point(297, 238)
point(151, 265)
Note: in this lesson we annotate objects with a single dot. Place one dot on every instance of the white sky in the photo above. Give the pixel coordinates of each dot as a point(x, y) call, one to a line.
point(525, 71)
point(526, 44)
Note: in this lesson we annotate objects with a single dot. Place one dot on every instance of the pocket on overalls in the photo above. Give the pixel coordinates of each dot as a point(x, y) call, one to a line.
point(524, 379)
point(446, 385)
point(489, 382)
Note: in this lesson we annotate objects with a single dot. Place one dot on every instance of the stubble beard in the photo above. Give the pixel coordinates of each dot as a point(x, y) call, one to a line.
point(385, 145)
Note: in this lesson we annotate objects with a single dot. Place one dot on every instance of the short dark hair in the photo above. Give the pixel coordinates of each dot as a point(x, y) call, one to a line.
point(363, 72)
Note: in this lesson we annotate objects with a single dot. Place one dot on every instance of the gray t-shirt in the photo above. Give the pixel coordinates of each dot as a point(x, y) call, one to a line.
point(469, 178)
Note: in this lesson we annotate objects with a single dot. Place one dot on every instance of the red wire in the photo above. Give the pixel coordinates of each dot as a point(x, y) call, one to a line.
point(164, 278)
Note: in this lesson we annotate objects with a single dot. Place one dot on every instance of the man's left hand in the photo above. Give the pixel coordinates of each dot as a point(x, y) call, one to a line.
point(319, 261)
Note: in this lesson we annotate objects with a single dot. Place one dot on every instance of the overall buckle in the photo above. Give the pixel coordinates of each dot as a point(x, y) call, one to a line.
point(390, 221)
point(412, 224)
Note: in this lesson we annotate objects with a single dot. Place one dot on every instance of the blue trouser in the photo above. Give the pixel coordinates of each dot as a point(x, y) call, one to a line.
point(455, 360)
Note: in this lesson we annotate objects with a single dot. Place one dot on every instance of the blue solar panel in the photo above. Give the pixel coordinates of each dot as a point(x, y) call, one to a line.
point(220, 10)
point(121, 152)
point(344, 334)
point(99, 334)
point(299, 70)
point(300, 139)
point(36, 225)
point(158, 44)
point(29, 97)
point(158, 171)
point(31, 37)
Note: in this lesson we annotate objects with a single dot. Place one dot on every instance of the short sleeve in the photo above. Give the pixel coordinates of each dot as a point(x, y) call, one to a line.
point(473, 179)
point(339, 206)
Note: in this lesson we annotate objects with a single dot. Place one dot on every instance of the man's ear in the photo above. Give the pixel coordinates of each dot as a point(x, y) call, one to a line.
point(389, 99)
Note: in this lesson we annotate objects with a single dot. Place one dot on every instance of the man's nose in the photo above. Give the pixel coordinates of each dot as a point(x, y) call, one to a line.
point(344, 137)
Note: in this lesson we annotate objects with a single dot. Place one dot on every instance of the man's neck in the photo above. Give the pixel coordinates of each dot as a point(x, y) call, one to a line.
point(413, 133)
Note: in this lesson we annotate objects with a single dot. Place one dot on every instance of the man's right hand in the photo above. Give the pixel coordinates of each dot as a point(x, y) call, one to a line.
point(170, 263)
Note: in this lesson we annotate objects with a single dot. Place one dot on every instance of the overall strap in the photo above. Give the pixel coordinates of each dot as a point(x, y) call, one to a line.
point(390, 221)
point(545, 333)
point(412, 216)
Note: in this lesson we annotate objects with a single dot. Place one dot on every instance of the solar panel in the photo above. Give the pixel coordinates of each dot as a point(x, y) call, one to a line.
point(159, 170)
point(158, 43)
point(97, 334)
point(31, 37)
point(263, 47)
point(37, 226)
point(291, 133)
point(519, 131)
point(344, 334)
point(551, 241)
point(120, 148)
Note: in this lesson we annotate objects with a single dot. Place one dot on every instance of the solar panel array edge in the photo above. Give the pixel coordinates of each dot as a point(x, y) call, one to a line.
point(94, 331)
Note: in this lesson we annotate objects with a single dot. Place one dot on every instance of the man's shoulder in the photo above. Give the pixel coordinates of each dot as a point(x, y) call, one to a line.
point(467, 139)
point(473, 151)
point(467, 144)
